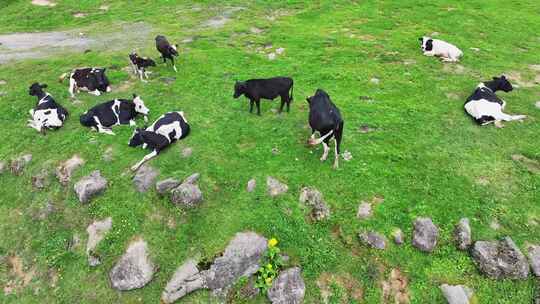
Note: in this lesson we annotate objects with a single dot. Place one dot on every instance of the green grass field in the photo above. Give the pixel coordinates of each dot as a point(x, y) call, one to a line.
point(426, 158)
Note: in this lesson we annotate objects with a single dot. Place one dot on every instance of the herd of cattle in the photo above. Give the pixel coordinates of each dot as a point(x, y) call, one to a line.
point(324, 117)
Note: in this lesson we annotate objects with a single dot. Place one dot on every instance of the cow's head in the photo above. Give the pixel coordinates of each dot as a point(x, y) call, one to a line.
point(139, 105)
point(426, 43)
point(36, 89)
point(136, 139)
point(101, 80)
point(502, 84)
point(239, 89)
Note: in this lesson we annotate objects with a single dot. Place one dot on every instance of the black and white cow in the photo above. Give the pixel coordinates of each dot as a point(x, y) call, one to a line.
point(485, 106)
point(140, 64)
point(167, 129)
point(439, 48)
point(270, 88)
point(167, 50)
point(325, 118)
point(115, 112)
point(47, 114)
point(92, 80)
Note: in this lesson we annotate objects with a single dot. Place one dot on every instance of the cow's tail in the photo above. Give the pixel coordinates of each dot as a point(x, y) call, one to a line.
point(87, 120)
point(292, 89)
point(62, 77)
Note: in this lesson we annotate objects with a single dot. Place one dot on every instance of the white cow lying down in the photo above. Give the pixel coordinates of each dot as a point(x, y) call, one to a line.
point(438, 48)
point(485, 106)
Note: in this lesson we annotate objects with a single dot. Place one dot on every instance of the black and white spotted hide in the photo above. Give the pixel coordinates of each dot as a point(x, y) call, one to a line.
point(47, 114)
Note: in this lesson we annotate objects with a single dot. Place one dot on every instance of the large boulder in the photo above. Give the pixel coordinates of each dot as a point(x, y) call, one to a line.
point(65, 169)
point(240, 259)
point(456, 294)
point(534, 258)
point(90, 186)
point(275, 187)
point(185, 280)
point(314, 199)
point(425, 234)
point(17, 165)
point(96, 232)
point(373, 240)
point(500, 259)
point(188, 193)
point(134, 269)
point(288, 288)
point(462, 234)
point(145, 178)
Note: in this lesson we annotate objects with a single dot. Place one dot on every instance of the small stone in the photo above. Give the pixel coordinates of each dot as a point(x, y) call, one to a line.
point(456, 294)
point(43, 3)
point(3, 82)
point(165, 186)
point(192, 179)
point(373, 240)
point(534, 259)
point(96, 233)
point(187, 152)
point(41, 180)
point(275, 151)
point(364, 211)
point(364, 128)
point(79, 15)
point(347, 156)
point(90, 186)
point(272, 56)
point(500, 259)
point(134, 269)
point(252, 183)
point(462, 234)
point(475, 49)
point(280, 51)
point(104, 7)
point(313, 198)
point(185, 280)
point(425, 234)
point(145, 178)
point(65, 170)
point(17, 165)
point(398, 236)
point(288, 288)
point(255, 30)
point(275, 188)
point(375, 80)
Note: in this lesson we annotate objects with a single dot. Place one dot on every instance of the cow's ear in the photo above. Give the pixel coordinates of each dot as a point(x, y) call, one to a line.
point(43, 86)
point(420, 39)
point(503, 77)
point(134, 95)
point(308, 99)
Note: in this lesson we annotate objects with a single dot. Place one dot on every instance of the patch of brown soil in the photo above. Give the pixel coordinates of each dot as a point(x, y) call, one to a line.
point(345, 281)
point(395, 288)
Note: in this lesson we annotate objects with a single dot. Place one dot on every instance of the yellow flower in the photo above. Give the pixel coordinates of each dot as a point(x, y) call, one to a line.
point(272, 242)
point(269, 266)
point(268, 281)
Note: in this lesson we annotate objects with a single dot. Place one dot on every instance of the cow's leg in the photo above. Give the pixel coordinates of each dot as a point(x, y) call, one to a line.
point(173, 65)
point(95, 92)
point(337, 137)
point(100, 127)
point(326, 149)
point(288, 105)
point(132, 123)
point(164, 60)
point(31, 112)
point(145, 159)
point(506, 117)
point(72, 86)
point(258, 102)
point(251, 102)
point(429, 53)
point(283, 101)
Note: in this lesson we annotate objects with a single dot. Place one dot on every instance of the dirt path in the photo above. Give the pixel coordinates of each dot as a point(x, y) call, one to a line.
point(20, 46)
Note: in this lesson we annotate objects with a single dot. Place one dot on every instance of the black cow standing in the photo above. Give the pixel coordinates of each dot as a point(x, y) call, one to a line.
point(47, 114)
point(168, 128)
point(140, 64)
point(270, 88)
point(167, 50)
point(325, 118)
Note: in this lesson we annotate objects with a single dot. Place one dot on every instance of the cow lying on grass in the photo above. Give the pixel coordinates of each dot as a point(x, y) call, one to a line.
point(47, 114)
point(167, 129)
point(438, 48)
point(115, 112)
point(255, 89)
point(325, 118)
point(485, 106)
point(92, 80)
point(140, 64)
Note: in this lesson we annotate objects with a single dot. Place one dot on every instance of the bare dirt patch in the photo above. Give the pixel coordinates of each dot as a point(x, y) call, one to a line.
point(21, 46)
point(329, 282)
point(522, 81)
point(20, 277)
point(395, 288)
point(221, 19)
point(531, 165)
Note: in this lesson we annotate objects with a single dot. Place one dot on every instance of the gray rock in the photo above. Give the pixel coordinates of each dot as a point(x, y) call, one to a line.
point(192, 179)
point(462, 234)
point(373, 239)
point(65, 170)
point(456, 294)
point(185, 280)
point(275, 187)
point(96, 233)
point(240, 259)
point(17, 165)
point(144, 178)
point(364, 211)
point(398, 236)
point(425, 234)
point(90, 186)
point(41, 180)
point(252, 183)
point(314, 199)
point(288, 288)
point(500, 259)
point(167, 185)
point(534, 259)
point(134, 269)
